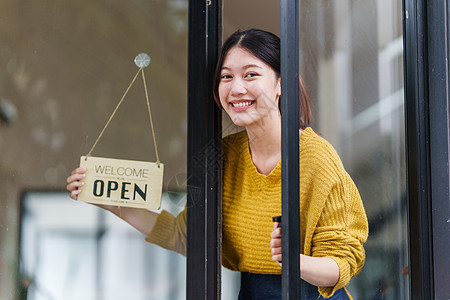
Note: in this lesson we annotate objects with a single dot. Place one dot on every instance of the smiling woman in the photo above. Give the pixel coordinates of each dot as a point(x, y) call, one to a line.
point(260, 61)
point(247, 87)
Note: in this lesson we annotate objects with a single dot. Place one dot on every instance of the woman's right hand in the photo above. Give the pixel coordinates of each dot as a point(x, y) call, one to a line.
point(74, 187)
point(74, 184)
point(141, 219)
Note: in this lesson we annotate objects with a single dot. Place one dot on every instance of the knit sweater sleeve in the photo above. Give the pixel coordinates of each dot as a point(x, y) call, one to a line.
point(341, 232)
point(169, 232)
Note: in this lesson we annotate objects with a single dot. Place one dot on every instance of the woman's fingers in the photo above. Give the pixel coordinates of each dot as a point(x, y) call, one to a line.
point(276, 224)
point(79, 170)
point(74, 189)
point(77, 174)
point(75, 177)
point(275, 243)
point(277, 258)
point(275, 251)
point(276, 254)
point(74, 194)
point(74, 183)
point(276, 233)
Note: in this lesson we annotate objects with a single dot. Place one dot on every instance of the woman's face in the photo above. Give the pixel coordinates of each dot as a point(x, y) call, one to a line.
point(249, 89)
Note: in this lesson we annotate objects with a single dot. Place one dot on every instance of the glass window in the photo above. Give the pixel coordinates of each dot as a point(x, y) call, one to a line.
point(63, 68)
point(351, 60)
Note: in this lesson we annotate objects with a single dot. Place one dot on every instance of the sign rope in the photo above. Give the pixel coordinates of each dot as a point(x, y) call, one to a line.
point(150, 118)
point(141, 69)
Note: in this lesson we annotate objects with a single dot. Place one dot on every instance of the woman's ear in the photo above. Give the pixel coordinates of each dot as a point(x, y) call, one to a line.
point(278, 87)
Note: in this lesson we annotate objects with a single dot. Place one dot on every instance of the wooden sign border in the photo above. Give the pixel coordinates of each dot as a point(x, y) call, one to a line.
point(120, 182)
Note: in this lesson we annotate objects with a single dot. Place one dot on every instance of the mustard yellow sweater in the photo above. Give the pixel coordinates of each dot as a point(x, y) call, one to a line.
point(332, 218)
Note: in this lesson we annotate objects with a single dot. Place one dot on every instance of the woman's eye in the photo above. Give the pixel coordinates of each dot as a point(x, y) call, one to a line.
point(225, 77)
point(251, 75)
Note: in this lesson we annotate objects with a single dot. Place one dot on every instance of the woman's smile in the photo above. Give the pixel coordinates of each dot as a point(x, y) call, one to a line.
point(241, 105)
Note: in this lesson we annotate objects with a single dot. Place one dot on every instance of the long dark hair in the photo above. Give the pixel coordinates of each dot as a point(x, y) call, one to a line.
point(265, 46)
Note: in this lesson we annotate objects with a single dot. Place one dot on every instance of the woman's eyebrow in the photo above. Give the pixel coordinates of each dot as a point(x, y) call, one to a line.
point(252, 66)
point(244, 67)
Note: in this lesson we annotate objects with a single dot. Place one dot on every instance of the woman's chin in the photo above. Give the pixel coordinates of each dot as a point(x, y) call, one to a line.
point(241, 122)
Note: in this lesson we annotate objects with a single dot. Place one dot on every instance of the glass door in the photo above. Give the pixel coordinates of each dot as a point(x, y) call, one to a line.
point(351, 59)
point(352, 63)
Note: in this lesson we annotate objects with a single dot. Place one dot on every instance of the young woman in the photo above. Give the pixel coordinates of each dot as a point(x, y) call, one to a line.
point(333, 222)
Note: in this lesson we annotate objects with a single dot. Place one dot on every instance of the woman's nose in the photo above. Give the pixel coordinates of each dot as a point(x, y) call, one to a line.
point(237, 87)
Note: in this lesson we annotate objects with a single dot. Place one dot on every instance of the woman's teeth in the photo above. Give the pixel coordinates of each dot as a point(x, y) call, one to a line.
point(242, 104)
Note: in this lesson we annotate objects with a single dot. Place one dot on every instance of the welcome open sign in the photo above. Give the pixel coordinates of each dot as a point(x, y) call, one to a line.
point(122, 182)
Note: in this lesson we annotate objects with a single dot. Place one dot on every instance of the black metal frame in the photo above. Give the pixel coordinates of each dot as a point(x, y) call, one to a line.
point(290, 279)
point(439, 106)
point(426, 44)
point(417, 150)
point(204, 148)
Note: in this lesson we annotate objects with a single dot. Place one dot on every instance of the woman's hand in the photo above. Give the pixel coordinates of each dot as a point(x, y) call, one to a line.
point(318, 271)
point(74, 187)
point(141, 219)
point(275, 243)
point(74, 184)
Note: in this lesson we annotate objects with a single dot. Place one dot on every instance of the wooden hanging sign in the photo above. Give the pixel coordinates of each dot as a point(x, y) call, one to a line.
point(121, 182)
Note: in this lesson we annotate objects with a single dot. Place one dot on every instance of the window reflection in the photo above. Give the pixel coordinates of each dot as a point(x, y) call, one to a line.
point(351, 60)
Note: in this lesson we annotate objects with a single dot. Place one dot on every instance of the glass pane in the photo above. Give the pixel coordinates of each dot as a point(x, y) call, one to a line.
point(64, 66)
point(101, 257)
point(351, 60)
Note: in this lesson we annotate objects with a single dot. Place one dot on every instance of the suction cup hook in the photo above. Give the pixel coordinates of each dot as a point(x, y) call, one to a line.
point(142, 60)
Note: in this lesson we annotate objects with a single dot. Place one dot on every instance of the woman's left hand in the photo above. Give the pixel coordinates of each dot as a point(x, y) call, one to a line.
point(318, 271)
point(275, 243)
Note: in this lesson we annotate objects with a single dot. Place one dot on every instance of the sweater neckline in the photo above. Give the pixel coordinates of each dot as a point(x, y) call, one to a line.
point(275, 175)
